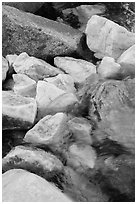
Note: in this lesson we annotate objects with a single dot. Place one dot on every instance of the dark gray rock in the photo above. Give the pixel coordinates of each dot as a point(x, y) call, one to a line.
point(31, 7)
point(38, 36)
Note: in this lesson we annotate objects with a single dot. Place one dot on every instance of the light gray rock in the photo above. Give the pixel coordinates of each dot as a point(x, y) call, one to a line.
point(34, 160)
point(45, 94)
point(38, 36)
point(17, 111)
point(106, 38)
point(11, 59)
point(81, 129)
point(23, 85)
point(5, 68)
point(36, 69)
point(81, 157)
point(66, 102)
point(50, 130)
point(78, 69)
point(127, 62)
point(108, 68)
point(63, 81)
point(22, 186)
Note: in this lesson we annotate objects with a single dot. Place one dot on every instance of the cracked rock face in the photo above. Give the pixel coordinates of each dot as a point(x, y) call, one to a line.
point(106, 38)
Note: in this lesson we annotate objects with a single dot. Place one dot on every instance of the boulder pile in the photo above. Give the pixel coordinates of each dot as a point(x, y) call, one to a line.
point(68, 105)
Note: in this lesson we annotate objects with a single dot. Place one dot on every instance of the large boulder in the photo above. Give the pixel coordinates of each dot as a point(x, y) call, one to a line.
point(5, 68)
point(127, 62)
point(50, 130)
point(106, 38)
point(22, 186)
point(112, 107)
point(36, 69)
point(34, 160)
point(78, 69)
point(38, 36)
point(23, 85)
point(17, 111)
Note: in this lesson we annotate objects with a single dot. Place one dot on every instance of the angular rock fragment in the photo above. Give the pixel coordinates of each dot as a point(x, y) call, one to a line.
point(38, 36)
point(66, 102)
point(81, 157)
point(5, 68)
point(17, 111)
point(78, 69)
point(50, 130)
point(81, 129)
point(45, 94)
point(23, 85)
point(127, 62)
point(63, 81)
point(34, 160)
point(108, 68)
point(106, 38)
point(22, 186)
point(36, 69)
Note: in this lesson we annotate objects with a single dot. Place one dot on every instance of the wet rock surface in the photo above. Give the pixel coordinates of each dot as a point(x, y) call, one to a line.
point(68, 106)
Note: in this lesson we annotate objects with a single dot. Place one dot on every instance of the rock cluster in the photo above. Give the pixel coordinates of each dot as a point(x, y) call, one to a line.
point(68, 106)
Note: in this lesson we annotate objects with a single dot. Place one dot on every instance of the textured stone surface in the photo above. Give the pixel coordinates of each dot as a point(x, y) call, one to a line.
point(17, 111)
point(34, 160)
point(79, 69)
point(127, 62)
point(63, 81)
point(66, 102)
point(38, 36)
point(35, 68)
point(108, 68)
point(81, 130)
point(22, 186)
point(49, 131)
point(45, 94)
point(112, 106)
point(106, 38)
point(5, 68)
point(31, 7)
point(23, 85)
point(81, 157)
